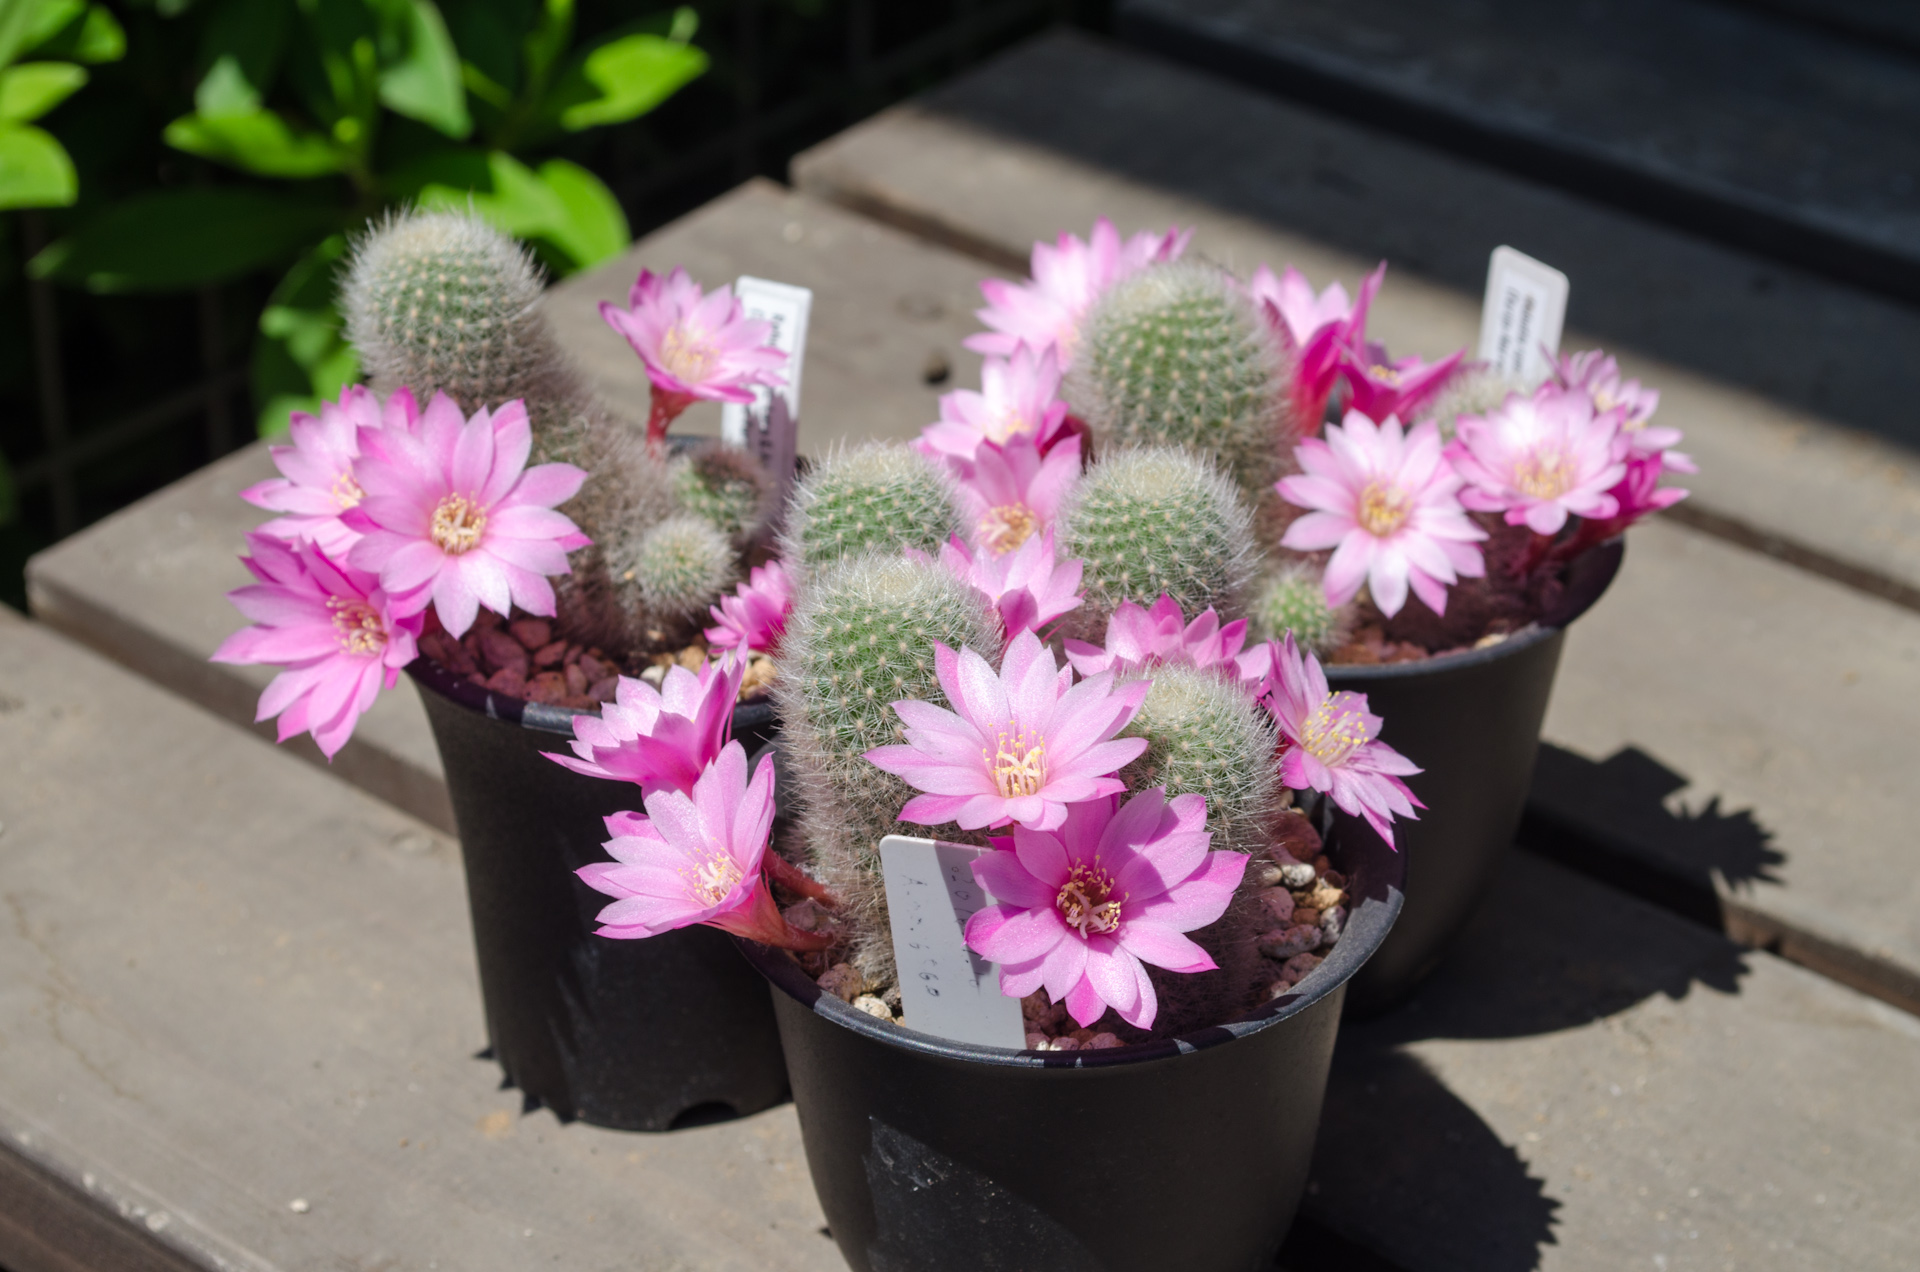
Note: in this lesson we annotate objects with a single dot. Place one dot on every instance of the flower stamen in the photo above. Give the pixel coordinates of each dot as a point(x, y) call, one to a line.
point(713, 880)
point(357, 625)
point(1384, 508)
point(458, 523)
point(1007, 527)
point(1336, 729)
point(1086, 901)
point(687, 355)
point(346, 491)
point(1019, 766)
point(1544, 474)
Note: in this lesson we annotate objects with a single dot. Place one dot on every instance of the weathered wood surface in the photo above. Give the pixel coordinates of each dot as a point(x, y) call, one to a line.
point(1589, 1083)
point(238, 1025)
point(1774, 697)
point(145, 585)
point(230, 984)
point(1725, 119)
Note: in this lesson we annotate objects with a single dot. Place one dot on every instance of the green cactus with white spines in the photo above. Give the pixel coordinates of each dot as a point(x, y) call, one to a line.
point(674, 570)
point(443, 301)
point(861, 637)
point(1178, 355)
point(727, 486)
point(1207, 736)
point(1152, 521)
point(1293, 599)
point(1474, 391)
point(881, 496)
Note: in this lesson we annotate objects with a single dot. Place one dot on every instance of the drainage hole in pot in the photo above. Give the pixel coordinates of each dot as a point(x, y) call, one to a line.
point(703, 1115)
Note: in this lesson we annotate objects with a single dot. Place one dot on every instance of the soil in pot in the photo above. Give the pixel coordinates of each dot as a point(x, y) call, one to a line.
point(525, 658)
point(1187, 1152)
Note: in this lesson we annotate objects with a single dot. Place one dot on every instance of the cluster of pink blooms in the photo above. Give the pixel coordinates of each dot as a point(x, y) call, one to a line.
point(699, 854)
point(1392, 502)
point(389, 511)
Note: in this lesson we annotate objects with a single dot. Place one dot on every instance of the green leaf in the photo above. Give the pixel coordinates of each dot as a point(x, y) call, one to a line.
point(225, 90)
point(31, 89)
point(594, 228)
point(300, 357)
point(170, 240)
point(624, 79)
point(425, 83)
point(72, 29)
point(495, 184)
point(35, 171)
point(564, 208)
point(242, 49)
point(23, 23)
point(260, 143)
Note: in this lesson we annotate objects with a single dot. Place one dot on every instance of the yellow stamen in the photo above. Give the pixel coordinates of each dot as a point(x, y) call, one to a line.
point(1383, 508)
point(458, 524)
point(687, 355)
point(1019, 766)
point(1007, 527)
point(358, 627)
point(1086, 900)
point(1543, 475)
point(713, 880)
point(346, 491)
point(1386, 375)
point(1336, 729)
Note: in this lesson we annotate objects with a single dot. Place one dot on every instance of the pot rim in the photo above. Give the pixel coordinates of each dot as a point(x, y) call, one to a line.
point(1604, 566)
point(1373, 918)
point(542, 717)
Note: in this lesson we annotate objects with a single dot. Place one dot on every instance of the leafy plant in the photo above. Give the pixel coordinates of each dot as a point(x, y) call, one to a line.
point(335, 110)
point(35, 169)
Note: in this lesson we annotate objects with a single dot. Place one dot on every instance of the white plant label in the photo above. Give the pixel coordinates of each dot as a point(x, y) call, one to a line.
point(1521, 317)
point(787, 307)
point(945, 988)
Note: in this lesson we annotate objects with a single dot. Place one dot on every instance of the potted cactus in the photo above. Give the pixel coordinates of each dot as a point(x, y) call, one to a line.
point(1011, 648)
point(530, 560)
point(1428, 529)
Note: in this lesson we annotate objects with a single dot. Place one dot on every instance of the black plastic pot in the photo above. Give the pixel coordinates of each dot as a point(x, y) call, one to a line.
point(1471, 721)
point(634, 1035)
point(1188, 1153)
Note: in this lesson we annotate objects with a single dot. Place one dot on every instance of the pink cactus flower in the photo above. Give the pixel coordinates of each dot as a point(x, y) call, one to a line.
point(1025, 742)
point(1538, 459)
point(697, 857)
point(659, 739)
point(694, 345)
point(1316, 329)
point(1068, 277)
point(1598, 375)
point(1638, 495)
point(1008, 491)
point(330, 626)
point(1139, 639)
point(1080, 910)
point(1379, 386)
point(1388, 504)
point(316, 483)
point(454, 517)
point(1027, 587)
point(1019, 398)
point(755, 616)
point(1329, 744)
